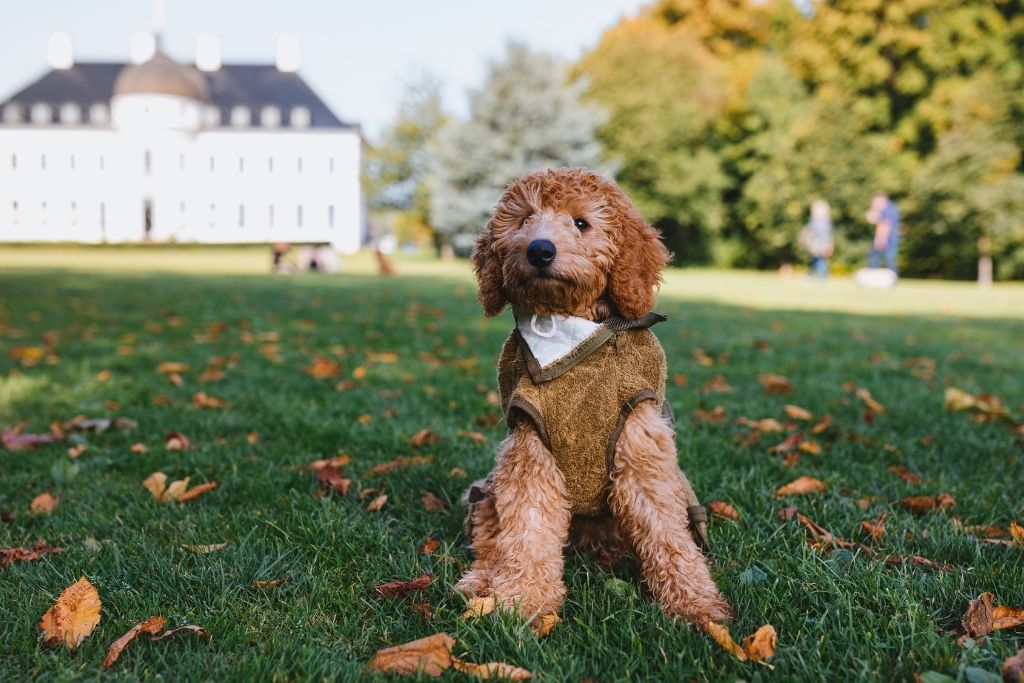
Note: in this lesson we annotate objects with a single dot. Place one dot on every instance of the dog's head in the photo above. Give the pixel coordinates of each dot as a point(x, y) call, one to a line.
point(568, 242)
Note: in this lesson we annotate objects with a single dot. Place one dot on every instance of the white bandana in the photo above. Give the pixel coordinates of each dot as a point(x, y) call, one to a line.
point(552, 337)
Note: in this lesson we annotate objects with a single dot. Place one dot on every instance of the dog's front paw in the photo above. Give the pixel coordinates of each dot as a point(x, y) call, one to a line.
point(532, 600)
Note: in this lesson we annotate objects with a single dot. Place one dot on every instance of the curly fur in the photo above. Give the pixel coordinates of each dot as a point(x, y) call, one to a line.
point(521, 527)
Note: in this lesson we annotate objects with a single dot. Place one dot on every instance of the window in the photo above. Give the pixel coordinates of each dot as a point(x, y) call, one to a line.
point(241, 117)
point(330, 216)
point(300, 117)
point(45, 217)
point(270, 117)
point(42, 162)
point(147, 162)
point(13, 113)
point(103, 162)
point(15, 214)
point(103, 217)
point(300, 215)
point(241, 215)
point(99, 115)
point(41, 113)
point(14, 162)
point(212, 117)
point(330, 165)
point(181, 161)
point(71, 162)
point(270, 215)
point(74, 213)
point(213, 216)
point(70, 113)
point(300, 164)
point(270, 164)
point(212, 165)
point(241, 164)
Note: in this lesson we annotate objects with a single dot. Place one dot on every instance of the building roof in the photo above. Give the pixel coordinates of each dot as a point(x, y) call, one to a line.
point(162, 75)
point(249, 85)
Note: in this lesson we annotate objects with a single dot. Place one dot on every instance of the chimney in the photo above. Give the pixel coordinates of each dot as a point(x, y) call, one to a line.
point(58, 52)
point(207, 52)
point(289, 54)
point(143, 47)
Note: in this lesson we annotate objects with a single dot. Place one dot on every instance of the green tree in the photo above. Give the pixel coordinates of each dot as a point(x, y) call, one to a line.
point(526, 117)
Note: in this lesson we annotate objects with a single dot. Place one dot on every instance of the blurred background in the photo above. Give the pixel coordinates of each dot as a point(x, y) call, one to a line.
point(396, 125)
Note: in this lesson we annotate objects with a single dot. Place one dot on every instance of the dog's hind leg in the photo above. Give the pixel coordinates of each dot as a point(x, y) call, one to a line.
point(650, 501)
point(525, 559)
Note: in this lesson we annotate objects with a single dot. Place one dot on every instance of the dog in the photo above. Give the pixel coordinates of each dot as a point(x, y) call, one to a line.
point(589, 462)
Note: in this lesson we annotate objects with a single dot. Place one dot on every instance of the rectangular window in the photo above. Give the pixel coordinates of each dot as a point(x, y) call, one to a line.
point(72, 162)
point(14, 162)
point(241, 215)
point(300, 215)
point(212, 166)
point(147, 162)
point(270, 164)
point(270, 215)
point(213, 216)
point(103, 215)
point(74, 213)
point(15, 218)
point(300, 164)
point(45, 221)
point(103, 162)
point(42, 162)
point(330, 165)
point(181, 162)
point(241, 164)
point(330, 216)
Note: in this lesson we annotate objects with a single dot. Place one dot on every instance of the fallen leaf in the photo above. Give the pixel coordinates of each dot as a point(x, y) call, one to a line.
point(810, 446)
point(139, 448)
point(201, 399)
point(875, 529)
point(797, 413)
point(73, 617)
point(865, 396)
point(457, 473)
point(44, 503)
point(920, 561)
point(400, 461)
point(1013, 668)
point(789, 443)
point(331, 479)
point(428, 546)
point(905, 474)
point(204, 549)
point(424, 609)
point(337, 461)
point(253, 438)
point(1007, 617)
point(977, 620)
point(492, 670)
point(13, 440)
point(432, 503)
point(196, 491)
point(176, 441)
point(721, 635)
point(821, 425)
point(178, 491)
point(432, 655)
point(545, 624)
point(424, 437)
point(722, 510)
point(397, 589)
point(761, 645)
point(801, 486)
point(479, 607)
point(172, 367)
point(922, 504)
point(717, 385)
point(192, 628)
point(151, 626)
point(1017, 532)
point(703, 358)
point(775, 384)
point(377, 503)
point(767, 425)
point(8, 556)
point(267, 584)
point(713, 416)
point(322, 368)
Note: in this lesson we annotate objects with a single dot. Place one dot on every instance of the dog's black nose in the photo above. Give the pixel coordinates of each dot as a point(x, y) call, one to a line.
point(540, 253)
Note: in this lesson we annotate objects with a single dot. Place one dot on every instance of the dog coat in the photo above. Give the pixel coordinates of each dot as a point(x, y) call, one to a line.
point(577, 381)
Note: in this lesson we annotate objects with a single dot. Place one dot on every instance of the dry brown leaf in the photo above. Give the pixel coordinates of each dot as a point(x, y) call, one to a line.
point(492, 670)
point(775, 384)
point(195, 491)
point(76, 450)
point(139, 448)
point(204, 549)
point(761, 644)
point(432, 503)
point(331, 479)
point(8, 556)
point(323, 368)
point(428, 546)
point(178, 491)
point(958, 399)
point(424, 437)
point(73, 617)
point(720, 634)
point(905, 474)
point(192, 628)
point(1007, 617)
point(377, 503)
point(717, 385)
point(479, 607)
point(151, 626)
point(802, 486)
point(400, 461)
point(875, 529)
point(171, 367)
point(253, 438)
point(797, 413)
point(1013, 668)
point(810, 446)
point(267, 584)
point(201, 399)
point(922, 504)
point(722, 510)
point(176, 441)
point(869, 402)
point(1017, 532)
point(44, 503)
point(432, 655)
point(543, 626)
point(713, 416)
point(977, 620)
point(397, 589)
point(337, 461)
point(821, 425)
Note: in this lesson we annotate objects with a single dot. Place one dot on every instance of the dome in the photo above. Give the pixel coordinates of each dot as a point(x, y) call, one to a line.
point(161, 75)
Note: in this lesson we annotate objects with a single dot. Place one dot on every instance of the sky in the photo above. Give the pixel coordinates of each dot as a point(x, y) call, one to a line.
point(357, 55)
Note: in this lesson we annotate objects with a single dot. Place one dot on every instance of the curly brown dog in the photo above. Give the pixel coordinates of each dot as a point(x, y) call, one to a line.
point(589, 462)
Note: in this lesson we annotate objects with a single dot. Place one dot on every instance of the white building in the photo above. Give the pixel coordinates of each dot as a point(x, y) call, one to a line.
point(161, 151)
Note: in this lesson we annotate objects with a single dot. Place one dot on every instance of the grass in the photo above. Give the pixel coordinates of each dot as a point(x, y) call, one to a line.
point(839, 616)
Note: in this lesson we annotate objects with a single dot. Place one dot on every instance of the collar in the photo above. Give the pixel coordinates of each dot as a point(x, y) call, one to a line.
point(554, 344)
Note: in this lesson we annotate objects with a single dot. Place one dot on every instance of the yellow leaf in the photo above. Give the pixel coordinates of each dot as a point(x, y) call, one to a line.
point(432, 655)
point(1017, 532)
point(150, 626)
point(958, 399)
point(801, 486)
point(796, 412)
point(761, 645)
point(493, 670)
point(73, 617)
point(44, 503)
point(546, 624)
point(721, 635)
point(171, 367)
point(176, 490)
point(377, 503)
point(478, 607)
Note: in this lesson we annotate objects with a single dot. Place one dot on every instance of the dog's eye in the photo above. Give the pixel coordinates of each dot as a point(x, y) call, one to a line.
point(526, 218)
point(581, 224)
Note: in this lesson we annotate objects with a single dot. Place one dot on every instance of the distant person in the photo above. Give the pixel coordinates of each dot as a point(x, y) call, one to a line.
point(279, 250)
point(885, 216)
point(816, 237)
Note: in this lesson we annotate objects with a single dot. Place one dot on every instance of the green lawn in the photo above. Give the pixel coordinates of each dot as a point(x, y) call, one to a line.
point(843, 616)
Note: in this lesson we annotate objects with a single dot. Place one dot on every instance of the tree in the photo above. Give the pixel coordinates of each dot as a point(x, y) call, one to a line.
point(396, 167)
point(525, 117)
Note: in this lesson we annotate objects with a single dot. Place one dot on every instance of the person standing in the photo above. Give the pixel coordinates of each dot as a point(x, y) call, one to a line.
point(817, 237)
point(885, 216)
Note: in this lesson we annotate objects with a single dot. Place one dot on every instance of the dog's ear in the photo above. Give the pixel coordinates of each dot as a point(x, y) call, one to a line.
point(488, 275)
point(637, 267)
